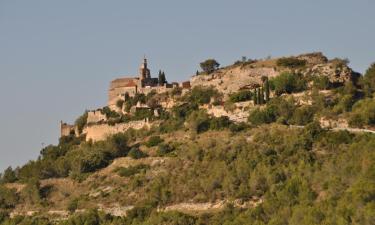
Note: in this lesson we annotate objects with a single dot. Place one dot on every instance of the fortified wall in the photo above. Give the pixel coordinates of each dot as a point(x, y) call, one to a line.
point(100, 132)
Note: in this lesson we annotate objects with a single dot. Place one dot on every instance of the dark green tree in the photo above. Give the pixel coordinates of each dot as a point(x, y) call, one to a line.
point(261, 95)
point(162, 78)
point(209, 65)
point(267, 89)
point(259, 101)
point(368, 80)
point(9, 176)
point(255, 97)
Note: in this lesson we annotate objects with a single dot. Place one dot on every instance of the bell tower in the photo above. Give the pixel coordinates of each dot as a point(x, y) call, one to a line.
point(144, 72)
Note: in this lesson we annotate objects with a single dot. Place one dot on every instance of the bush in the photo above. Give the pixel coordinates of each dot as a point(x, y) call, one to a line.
point(258, 116)
point(154, 141)
point(200, 95)
point(132, 170)
point(303, 115)
point(135, 153)
point(241, 96)
point(321, 82)
point(81, 122)
point(363, 113)
point(288, 83)
point(291, 62)
point(8, 198)
point(72, 205)
point(164, 149)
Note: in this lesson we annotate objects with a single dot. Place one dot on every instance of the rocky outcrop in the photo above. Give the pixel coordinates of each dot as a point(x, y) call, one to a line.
point(249, 74)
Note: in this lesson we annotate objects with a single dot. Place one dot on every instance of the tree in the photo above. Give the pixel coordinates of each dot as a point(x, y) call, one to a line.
point(9, 176)
point(266, 89)
point(261, 95)
point(255, 97)
point(368, 80)
point(162, 78)
point(209, 66)
point(259, 100)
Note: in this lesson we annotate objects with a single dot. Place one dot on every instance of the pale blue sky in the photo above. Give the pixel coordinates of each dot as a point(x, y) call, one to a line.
point(58, 57)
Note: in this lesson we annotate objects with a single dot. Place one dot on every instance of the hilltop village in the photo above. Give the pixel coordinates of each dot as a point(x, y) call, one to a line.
point(133, 100)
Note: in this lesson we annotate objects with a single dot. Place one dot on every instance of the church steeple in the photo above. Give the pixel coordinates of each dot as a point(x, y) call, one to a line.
point(144, 72)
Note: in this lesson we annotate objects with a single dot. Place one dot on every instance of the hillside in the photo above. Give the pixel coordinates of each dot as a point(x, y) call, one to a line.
point(271, 141)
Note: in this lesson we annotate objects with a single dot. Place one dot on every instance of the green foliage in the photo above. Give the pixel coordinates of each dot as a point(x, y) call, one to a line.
point(303, 115)
point(368, 81)
point(135, 153)
point(9, 176)
point(321, 82)
point(81, 121)
point(209, 65)
point(132, 170)
point(278, 109)
point(241, 96)
point(200, 95)
point(363, 113)
point(161, 78)
point(291, 62)
point(164, 149)
point(288, 83)
point(73, 205)
point(154, 141)
point(120, 103)
point(8, 198)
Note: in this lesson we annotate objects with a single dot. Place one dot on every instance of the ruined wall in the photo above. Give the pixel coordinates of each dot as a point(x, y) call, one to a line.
point(66, 129)
point(95, 117)
point(102, 131)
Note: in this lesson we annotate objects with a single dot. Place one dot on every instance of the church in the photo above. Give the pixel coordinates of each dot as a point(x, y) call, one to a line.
point(143, 83)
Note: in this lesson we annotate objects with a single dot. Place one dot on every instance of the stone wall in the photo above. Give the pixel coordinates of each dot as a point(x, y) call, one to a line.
point(66, 129)
point(95, 117)
point(100, 132)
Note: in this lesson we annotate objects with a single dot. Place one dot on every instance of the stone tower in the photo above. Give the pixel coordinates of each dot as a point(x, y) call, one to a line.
point(144, 72)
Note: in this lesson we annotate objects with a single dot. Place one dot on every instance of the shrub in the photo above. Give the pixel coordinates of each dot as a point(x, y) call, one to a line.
point(303, 115)
point(291, 62)
point(72, 205)
point(164, 149)
point(8, 198)
point(154, 141)
point(135, 153)
point(287, 83)
point(132, 170)
point(321, 82)
point(363, 113)
point(81, 121)
point(241, 96)
point(258, 116)
point(200, 95)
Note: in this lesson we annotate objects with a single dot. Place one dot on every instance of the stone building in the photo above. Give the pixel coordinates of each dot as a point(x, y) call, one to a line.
point(131, 85)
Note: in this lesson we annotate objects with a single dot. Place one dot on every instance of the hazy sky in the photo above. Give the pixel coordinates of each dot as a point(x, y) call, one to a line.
point(58, 57)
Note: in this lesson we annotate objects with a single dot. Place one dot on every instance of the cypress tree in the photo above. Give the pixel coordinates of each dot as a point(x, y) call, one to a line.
point(258, 96)
point(255, 98)
point(267, 90)
point(162, 79)
point(261, 95)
